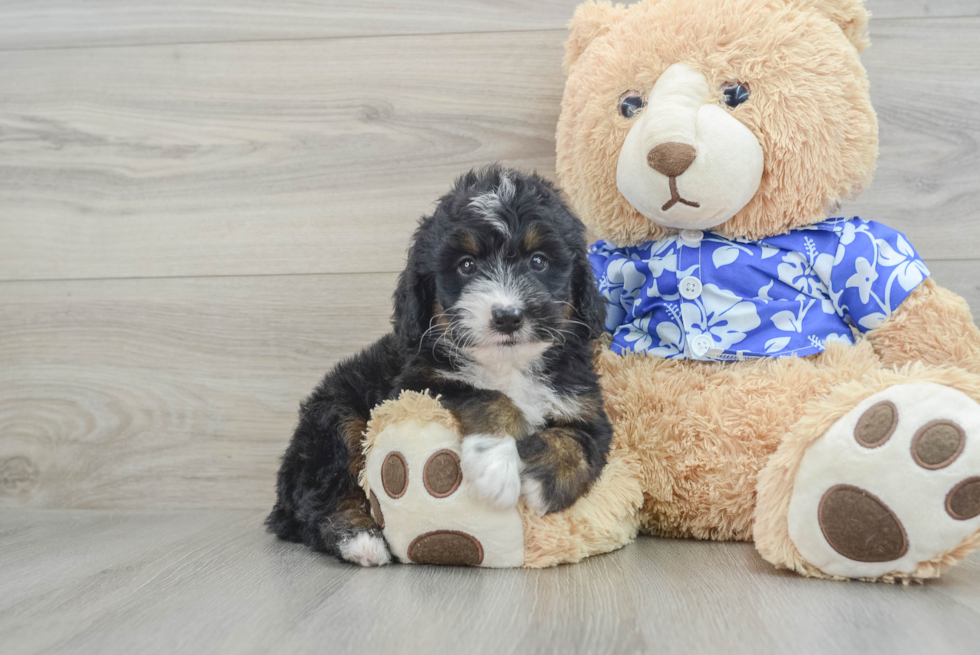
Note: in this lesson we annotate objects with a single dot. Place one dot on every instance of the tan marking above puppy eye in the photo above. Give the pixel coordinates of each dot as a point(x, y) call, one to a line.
point(469, 243)
point(532, 239)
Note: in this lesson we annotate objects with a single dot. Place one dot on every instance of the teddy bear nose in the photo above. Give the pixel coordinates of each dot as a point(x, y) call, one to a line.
point(672, 158)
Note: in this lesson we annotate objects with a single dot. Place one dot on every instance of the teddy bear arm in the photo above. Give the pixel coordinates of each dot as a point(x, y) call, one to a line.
point(934, 326)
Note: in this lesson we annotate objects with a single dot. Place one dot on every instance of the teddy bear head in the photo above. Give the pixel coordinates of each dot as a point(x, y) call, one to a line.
point(747, 117)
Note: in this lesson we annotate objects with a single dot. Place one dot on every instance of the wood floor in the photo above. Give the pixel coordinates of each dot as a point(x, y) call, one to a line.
point(210, 581)
point(204, 205)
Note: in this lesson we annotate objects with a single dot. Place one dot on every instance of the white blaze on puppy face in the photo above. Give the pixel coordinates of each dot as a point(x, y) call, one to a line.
point(499, 288)
point(725, 173)
point(490, 204)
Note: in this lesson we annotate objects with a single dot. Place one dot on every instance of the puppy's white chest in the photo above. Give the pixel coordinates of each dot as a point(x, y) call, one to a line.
point(532, 395)
point(515, 373)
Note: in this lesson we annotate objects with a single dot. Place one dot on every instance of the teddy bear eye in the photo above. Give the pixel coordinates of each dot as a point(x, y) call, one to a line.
point(630, 104)
point(735, 94)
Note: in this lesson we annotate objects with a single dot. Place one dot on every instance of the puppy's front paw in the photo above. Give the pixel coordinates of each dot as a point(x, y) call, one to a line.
point(365, 549)
point(493, 467)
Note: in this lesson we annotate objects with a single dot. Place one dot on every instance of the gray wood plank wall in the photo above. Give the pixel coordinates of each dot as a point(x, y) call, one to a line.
point(202, 209)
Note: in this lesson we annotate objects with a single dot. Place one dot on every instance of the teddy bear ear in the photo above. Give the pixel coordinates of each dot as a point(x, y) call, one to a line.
point(591, 19)
point(850, 15)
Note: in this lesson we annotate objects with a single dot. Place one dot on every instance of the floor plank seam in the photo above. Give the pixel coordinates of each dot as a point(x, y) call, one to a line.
point(340, 37)
point(345, 37)
point(63, 280)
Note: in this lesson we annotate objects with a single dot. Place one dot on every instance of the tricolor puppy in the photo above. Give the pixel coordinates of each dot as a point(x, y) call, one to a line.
point(495, 313)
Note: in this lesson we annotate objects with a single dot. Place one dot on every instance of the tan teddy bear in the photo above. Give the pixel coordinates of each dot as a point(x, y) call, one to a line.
point(771, 375)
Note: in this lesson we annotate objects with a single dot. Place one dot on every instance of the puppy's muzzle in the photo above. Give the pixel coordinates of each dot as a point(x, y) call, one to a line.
point(507, 320)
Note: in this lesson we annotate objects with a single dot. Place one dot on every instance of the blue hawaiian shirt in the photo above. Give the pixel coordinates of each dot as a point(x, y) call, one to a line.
point(699, 295)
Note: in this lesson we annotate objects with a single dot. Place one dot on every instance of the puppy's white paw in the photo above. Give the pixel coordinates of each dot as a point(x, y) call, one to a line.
point(365, 549)
point(533, 494)
point(493, 467)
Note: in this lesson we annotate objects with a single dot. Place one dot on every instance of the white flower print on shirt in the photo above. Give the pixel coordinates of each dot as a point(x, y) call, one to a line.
point(723, 316)
point(786, 295)
point(803, 273)
point(909, 271)
point(864, 276)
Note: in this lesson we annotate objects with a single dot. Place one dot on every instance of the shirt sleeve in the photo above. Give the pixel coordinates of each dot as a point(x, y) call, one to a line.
point(600, 255)
point(874, 270)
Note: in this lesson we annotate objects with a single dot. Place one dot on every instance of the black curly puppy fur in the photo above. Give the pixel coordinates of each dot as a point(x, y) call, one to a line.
point(495, 312)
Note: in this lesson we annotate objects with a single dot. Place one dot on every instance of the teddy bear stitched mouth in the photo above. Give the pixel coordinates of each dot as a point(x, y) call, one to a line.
point(675, 197)
point(671, 159)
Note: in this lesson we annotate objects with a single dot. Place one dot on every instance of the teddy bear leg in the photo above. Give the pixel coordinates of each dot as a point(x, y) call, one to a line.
point(879, 481)
point(432, 512)
point(427, 506)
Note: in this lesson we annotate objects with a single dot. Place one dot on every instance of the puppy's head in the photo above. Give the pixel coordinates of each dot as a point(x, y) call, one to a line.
point(500, 264)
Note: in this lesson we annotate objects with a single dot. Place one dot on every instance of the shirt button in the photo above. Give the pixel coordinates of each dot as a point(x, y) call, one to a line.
point(692, 236)
point(701, 344)
point(690, 288)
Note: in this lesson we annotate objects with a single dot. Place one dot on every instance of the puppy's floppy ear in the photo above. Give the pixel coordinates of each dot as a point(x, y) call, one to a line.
point(591, 19)
point(590, 307)
point(415, 293)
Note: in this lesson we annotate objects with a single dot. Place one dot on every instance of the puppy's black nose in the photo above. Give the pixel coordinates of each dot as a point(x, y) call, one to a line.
point(507, 319)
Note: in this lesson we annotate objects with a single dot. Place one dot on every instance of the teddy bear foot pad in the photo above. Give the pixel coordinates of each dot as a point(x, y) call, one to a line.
point(428, 508)
point(892, 484)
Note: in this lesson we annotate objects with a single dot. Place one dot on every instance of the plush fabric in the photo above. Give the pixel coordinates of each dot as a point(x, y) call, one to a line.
point(719, 445)
point(810, 109)
point(859, 460)
point(430, 514)
point(776, 482)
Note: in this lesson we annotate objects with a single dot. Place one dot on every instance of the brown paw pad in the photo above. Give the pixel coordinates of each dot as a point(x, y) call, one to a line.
point(376, 514)
point(446, 547)
point(963, 502)
point(877, 424)
point(859, 526)
point(937, 444)
point(442, 474)
point(394, 474)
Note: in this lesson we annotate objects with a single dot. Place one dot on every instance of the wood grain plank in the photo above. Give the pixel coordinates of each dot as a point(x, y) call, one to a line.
point(29, 24)
point(929, 163)
point(318, 157)
point(294, 157)
point(213, 582)
point(921, 8)
point(962, 277)
point(167, 393)
point(170, 393)
point(32, 24)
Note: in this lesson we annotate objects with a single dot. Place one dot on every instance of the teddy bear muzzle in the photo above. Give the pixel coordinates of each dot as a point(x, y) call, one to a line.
point(686, 161)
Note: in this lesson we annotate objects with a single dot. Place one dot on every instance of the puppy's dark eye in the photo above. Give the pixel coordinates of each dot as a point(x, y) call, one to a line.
point(466, 266)
point(630, 104)
point(538, 262)
point(735, 94)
